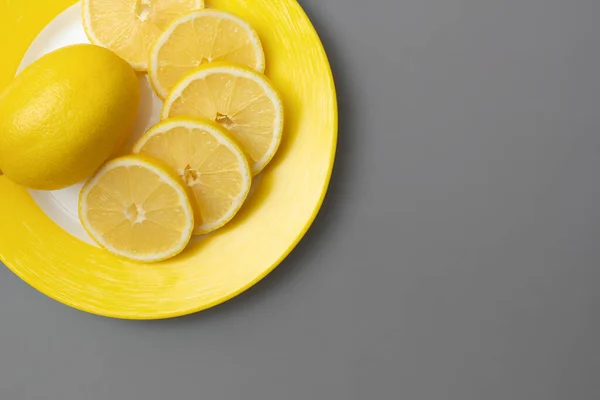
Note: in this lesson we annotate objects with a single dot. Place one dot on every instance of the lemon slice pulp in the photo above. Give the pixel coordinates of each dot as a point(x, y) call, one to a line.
point(138, 209)
point(240, 99)
point(211, 164)
point(130, 27)
point(198, 38)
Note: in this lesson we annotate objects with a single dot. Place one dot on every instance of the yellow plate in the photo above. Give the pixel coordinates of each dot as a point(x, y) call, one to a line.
point(220, 266)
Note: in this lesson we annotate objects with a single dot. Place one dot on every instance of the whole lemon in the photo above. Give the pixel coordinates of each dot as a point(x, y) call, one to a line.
point(65, 115)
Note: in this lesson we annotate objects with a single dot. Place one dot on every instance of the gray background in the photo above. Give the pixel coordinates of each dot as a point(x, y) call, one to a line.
point(456, 256)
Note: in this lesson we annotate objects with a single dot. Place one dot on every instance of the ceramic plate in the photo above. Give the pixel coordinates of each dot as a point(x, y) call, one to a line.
point(41, 239)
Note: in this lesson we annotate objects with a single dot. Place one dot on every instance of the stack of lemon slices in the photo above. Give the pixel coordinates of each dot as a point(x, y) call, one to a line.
point(222, 123)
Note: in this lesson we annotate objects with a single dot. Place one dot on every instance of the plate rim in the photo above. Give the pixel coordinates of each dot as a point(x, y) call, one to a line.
point(264, 272)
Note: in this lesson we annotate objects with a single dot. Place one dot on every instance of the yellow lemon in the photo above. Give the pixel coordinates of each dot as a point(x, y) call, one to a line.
point(130, 27)
point(211, 164)
point(65, 115)
point(202, 37)
point(137, 209)
point(240, 99)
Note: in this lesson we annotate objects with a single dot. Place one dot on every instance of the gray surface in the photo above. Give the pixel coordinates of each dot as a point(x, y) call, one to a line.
point(457, 254)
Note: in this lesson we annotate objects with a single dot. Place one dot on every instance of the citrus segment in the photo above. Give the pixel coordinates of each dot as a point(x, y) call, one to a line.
point(210, 163)
point(131, 27)
point(137, 209)
point(198, 38)
point(240, 99)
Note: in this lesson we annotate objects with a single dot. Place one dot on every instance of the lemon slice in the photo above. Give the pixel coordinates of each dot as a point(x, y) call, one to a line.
point(211, 164)
point(130, 27)
point(202, 37)
point(137, 209)
point(240, 99)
